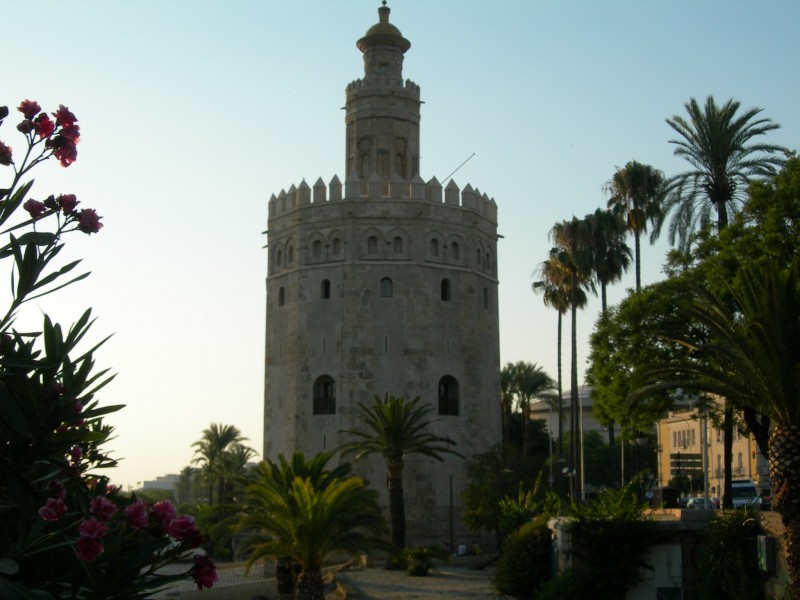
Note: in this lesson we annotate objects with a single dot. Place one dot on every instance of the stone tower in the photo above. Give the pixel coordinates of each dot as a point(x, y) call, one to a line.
point(386, 286)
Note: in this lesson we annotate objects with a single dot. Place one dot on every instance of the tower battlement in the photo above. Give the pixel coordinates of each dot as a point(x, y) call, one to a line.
point(371, 83)
point(417, 189)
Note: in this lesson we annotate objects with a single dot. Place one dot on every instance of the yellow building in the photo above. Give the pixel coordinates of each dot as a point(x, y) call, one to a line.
point(680, 444)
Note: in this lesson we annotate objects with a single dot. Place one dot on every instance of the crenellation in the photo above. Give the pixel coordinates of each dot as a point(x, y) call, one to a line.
point(319, 191)
point(336, 189)
point(303, 194)
point(451, 193)
point(433, 190)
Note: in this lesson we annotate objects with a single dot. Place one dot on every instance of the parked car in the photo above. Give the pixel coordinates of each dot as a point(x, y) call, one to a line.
point(700, 503)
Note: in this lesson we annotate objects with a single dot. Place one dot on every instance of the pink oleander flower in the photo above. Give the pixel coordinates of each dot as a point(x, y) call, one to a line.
point(54, 510)
point(182, 529)
point(44, 126)
point(64, 150)
point(67, 203)
point(89, 221)
point(92, 528)
point(57, 489)
point(137, 514)
point(64, 118)
point(72, 133)
point(204, 572)
point(5, 154)
point(76, 454)
point(25, 126)
point(29, 108)
point(164, 512)
point(89, 549)
point(35, 208)
point(103, 508)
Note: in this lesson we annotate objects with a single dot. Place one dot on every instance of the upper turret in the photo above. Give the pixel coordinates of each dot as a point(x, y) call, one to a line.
point(383, 47)
point(382, 111)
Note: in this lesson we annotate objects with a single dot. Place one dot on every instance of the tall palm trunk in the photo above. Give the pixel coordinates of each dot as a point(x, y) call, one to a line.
point(784, 471)
point(309, 585)
point(397, 507)
point(637, 248)
point(575, 435)
point(560, 447)
point(287, 571)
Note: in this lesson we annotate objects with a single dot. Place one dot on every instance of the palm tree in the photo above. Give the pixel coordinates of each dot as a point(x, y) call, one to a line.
point(557, 293)
point(506, 402)
point(611, 256)
point(529, 382)
point(209, 451)
point(637, 195)
point(752, 359)
point(573, 249)
point(395, 428)
point(716, 143)
point(304, 512)
point(233, 468)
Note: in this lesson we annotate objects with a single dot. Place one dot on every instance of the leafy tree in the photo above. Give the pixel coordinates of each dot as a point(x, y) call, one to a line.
point(303, 510)
point(557, 293)
point(637, 195)
point(752, 359)
point(498, 473)
point(716, 142)
point(573, 249)
point(394, 428)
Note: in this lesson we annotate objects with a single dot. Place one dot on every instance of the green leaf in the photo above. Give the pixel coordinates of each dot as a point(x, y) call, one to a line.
point(8, 566)
point(10, 205)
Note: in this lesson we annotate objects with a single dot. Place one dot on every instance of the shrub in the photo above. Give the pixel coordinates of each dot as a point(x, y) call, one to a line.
point(525, 562)
point(729, 565)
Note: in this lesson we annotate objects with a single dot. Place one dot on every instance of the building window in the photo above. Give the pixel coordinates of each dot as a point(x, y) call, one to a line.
point(435, 247)
point(325, 289)
point(372, 245)
point(281, 297)
point(445, 290)
point(485, 297)
point(337, 247)
point(290, 255)
point(448, 396)
point(324, 396)
point(316, 249)
point(479, 257)
point(387, 288)
point(279, 259)
point(455, 251)
point(397, 245)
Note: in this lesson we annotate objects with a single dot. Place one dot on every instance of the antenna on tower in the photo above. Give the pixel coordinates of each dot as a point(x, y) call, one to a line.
point(458, 167)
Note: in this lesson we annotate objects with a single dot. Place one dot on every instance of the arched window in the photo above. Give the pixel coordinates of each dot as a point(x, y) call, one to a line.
point(434, 247)
point(337, 247)
point(448, 396)
point(325, 289)
point(279, 259)
point(290, 255)
point(324, 396)
point(485, 297)
point(445, 290)
point(455, 251)
point(316, 249)
point(387, 288)
point(397, 245)
point(281, 297)
point(372, 245)
point(488, 262)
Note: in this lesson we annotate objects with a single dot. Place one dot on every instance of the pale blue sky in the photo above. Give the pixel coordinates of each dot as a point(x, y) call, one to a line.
point(194, 112)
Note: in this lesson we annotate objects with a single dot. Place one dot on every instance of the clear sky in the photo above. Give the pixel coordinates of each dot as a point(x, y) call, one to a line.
point(193, 112)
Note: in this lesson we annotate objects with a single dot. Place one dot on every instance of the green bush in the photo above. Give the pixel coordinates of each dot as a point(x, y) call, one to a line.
point(729, 565)
point(526, 560)
point(567, 585)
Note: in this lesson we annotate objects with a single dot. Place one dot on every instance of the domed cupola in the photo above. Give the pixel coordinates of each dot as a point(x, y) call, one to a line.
point(383, 47)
